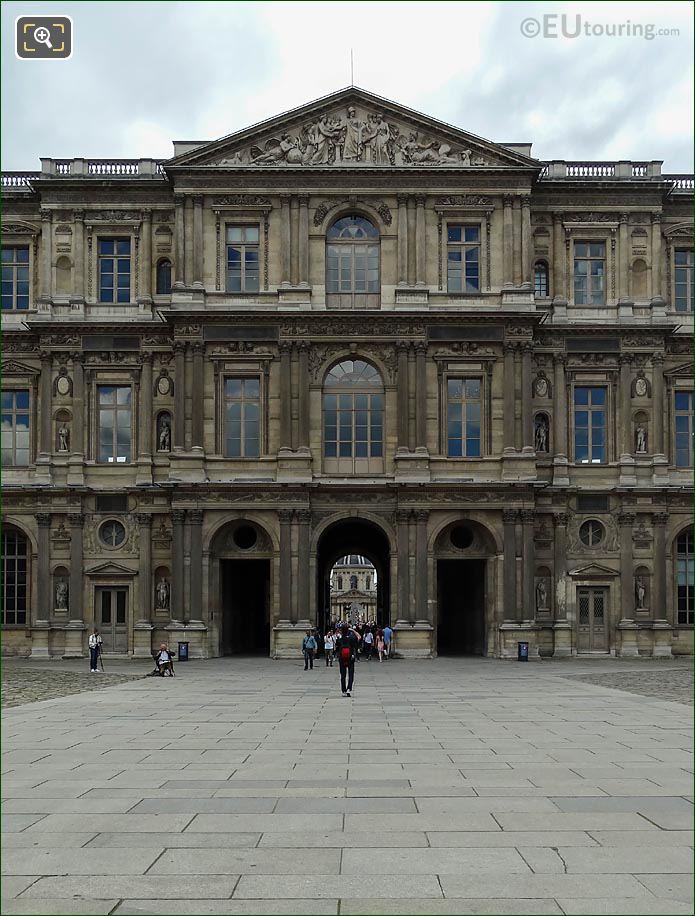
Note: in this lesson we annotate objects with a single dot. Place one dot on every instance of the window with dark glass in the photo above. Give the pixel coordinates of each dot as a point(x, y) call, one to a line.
point(352, 256)
point(590, 425)
point(463, 259)
point(463, 417)
point(589, 273)
point(684, 262)
point(353, 417)
point(685, 578)
point(114, 270)
point(242, 410)
point(15, 278)
point(114, 419)
point(353, 582)
point(540, 279)
point(15, 427)
point(242, 259)
point(164, 277)
point(683, 405)
point(15, 557)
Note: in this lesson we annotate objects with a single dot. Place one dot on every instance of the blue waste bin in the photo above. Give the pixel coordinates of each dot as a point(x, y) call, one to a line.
point(183, 651)
point(522, 652)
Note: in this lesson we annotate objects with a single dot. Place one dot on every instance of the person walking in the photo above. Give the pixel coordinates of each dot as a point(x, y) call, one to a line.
point(380, 644)
point(346, 650)
point(95, 644)
point(329, 646)
point(388, 639)
point(308, 648)
point(368, 643)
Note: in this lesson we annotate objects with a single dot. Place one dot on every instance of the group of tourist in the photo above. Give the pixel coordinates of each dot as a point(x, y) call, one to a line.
point(345, 643)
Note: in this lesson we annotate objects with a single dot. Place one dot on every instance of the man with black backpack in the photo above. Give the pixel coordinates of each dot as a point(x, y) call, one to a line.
point(346, 650)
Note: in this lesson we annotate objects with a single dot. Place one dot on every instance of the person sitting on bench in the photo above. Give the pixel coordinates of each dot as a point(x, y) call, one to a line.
point(165, 661)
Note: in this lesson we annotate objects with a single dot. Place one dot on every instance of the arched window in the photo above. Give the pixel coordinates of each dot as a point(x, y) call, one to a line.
point(164, 277)
point(368, 582)
point(353, 582)
point(340, 583)
point(352, 263)
point(685, 578)
point(540, 280)
point(353, 418)
point(15, 559)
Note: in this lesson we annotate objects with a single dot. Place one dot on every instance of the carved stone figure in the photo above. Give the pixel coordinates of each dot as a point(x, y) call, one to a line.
point(383, 154)
point(640, 592)
point(164, 437)
point(541, 387)
point(352, 147)
point(541, 434)
point(541, 595)
point(62, 595)
point(640, 387)
point(63, 438)
point(162, 592)
point(641, 439)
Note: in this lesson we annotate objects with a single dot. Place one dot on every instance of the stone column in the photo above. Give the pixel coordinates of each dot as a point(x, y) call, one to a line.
point(421, 609)
point(508, 241)
point(527, 441)
point(46, 439)
point(412, 393)
point(76, 523)
point(560, 407)
point(623, 272)
point(46, 285)
point(656, 256)
point(509, 519)
point(286, 609)
point(197, 395)
point(45, 601)
point(558, 256)
point(625, 420)
point(420, 241)
point(421, 397)
point(303, 240)
point(658, 404)
point(188, 244)
point(626, 521)
point(198, 240)
point(179, 395)
point(180, 239)
point(144, 612)
point(403, 565)
point(195, 517)
point(286, 240)
point(659, 611)
point(402, 239)
point(178, 517)
point(562, 628)
point(294, 241)
point(78, 406)
point(304, 612)
point(79, 256)
point(146, 255)
point(528, 565)
point(411, 246)
point(509, 400)
point(516, 219)
point(526, 269)
point(403, 394)
point(145, 406)
point(285, 394)
point(303, 371)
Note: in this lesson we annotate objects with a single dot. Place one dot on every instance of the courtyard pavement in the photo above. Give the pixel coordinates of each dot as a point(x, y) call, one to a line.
point(446, 786)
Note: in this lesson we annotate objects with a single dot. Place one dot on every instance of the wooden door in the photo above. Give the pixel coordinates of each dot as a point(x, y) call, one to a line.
point(592, 608)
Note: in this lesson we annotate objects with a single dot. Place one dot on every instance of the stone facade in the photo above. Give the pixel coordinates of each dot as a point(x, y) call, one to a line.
point(142, 506)
point(353, 590)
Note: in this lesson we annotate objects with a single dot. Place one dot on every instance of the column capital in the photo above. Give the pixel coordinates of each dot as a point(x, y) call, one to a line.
point(561, 519)
point(76, 521)
point(659, 519)
point(525, 200)
point(179, 200)
point(625, 359)
point(78, 216)
point(46, 215)
point(285, 516)
point(403, 516)
point(146, 215)
point(626, 519)
point(655, 217)
point(195, 516)
point(46, 356)
point(624, 217)
point(657, 359)
point(510, 516)
point(509, 348)
point(285, 347)
point(77, 357)
point(303, 516)
point(304, 346)
point(145, 358)
point(402, 346)
point(421, 515)
point(560, 359)
point(144, 519)
point(179, 346)
point(198, 347)
point(528, 516)
point(508, 200)
point(178, 516)
point(43, 519)
point(402, 200)
point(558, 217)
point(420, 199)
point(198, 200)
point(421, 347)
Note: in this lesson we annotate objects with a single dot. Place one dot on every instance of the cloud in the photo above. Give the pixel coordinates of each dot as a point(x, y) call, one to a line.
point(145, 73)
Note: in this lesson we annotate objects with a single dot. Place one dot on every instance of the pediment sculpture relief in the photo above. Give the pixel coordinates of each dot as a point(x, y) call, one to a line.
point(353, 139)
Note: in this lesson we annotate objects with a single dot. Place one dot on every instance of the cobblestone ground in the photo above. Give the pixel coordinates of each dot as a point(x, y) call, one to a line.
point(675, 684)
point(28, 684)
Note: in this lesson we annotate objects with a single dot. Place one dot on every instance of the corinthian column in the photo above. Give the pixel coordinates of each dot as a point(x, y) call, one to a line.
point(146, 255)
point(46, 443)
point(526, 239)
point(558, 256)
point(43, 611)
point(303, 384)
point(46, 255)
point(303, 240)
point(508, 241)
point(402, 239)
point(421, 406)
point(420, 259)
point(179, 394)
point(304, 612)
point(403, 547)
point(421, 608)
point(195, 613)
point(76, 523)
point(285, 394)
point(403, 395)
point(528, 564)
point(178, 517)
point(658, 411)
point(659, 611)
point(197, 395)
point(286, 604)
point(509, 519)
point(180, 239)
point(144, 616)
point(526, 412)
point(509, 399)
point(198, 240)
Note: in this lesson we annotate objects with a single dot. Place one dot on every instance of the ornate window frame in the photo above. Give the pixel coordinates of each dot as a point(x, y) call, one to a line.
point(15, 234)
point(448, 368)
point(254, 368)
point(581, 379)
point(101, 378)
point(243, 214)
point(465, 215)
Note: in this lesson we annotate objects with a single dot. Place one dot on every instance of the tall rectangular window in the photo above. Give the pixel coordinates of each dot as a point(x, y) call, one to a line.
point(463, 259)
point(685, 578)
point(463, 417)
point(242, 259)
point(683, 275)
point(683, 404)
point(242, 412)
point(15, 428)
point(589, 273)
point(15, 278)
point(15, 559)
point(114, 270)
point(590, 425)
point(114, 423)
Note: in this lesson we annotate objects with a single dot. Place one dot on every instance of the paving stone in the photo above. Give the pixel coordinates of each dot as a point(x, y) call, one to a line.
point(229, 907)
point(672, 887)
point(332, 886)
point(13, 885)
point(56, 907)
point(639, 906)
point(439, 861)
point(511, 838)
point(647, 838)
point(36, 840)
point(483, 907)
point(543, 886)
point(185, 840)
point(149, 887)
point(77, 861)
point(276, 861)
point(130, 823)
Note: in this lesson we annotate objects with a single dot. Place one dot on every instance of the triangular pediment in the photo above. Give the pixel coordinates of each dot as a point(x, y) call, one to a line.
point(12, 367)
point(352, 128)
point(110, 569)
point(592, 571)
point(685, 371)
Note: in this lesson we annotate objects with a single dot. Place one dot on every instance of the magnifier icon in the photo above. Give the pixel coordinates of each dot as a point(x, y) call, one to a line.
point(43, 37)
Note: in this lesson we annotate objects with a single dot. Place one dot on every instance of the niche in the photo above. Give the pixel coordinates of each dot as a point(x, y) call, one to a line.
point(63, 276)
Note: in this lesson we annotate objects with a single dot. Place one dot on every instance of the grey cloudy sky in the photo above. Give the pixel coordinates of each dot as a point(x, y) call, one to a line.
point(145, 73)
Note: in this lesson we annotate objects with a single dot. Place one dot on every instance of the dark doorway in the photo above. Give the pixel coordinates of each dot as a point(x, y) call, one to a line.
point(245, 588)
point(365, 539)
point(461, 607)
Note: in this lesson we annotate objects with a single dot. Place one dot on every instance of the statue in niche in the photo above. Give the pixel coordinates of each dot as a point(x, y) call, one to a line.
point(62, 595)
point(641, 439)
point(541, 595)
point(164, 437)
point(162, 592)
point(541, 433)
point(640, 592)
point(63, 438)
